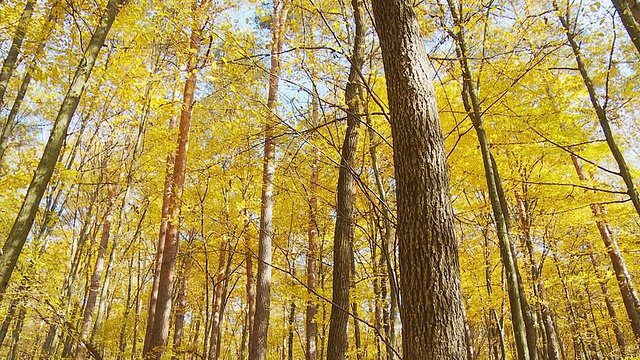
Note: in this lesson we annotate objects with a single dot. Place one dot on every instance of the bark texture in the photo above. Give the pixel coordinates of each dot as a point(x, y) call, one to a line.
point(338, 343)
point(429, 267)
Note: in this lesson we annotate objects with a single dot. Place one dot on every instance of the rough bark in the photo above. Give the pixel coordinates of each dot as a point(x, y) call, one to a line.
point(163, 306)
point(251, 291)
point(338, 343)
point(11, 60)
point(429, 271)
point(258, 338)
point(24, 221)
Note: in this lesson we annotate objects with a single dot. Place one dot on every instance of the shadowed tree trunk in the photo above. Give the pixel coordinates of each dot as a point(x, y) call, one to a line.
point(260, 329)
point(24, 220)
point(432, 322)
point(338, 343)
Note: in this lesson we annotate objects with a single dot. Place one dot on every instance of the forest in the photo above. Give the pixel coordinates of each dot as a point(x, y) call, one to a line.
point(319, 179)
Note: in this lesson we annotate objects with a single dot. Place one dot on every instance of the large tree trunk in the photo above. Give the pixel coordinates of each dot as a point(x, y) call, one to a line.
point(260, 329)
point(94, 286)
point(472, 106)
point(163, 306)
point(624, 280)
point(432, 322)
point(11, 60)
point(24, 221)
point(345, 208)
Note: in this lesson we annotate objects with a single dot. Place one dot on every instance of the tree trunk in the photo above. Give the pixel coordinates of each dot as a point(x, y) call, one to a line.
point(15, 338)
point(553, 353)
point(472, 106)
point(166, 199)
point(258, 335)
point(624, 171)
point(11, 60)
point(387, 251)
point(429, 273)
point(217, 305)
point(607, 298)
point(630, 18)
point(8, 125)
point(24, 221)
point(312, 254)
point(94, 286)
point(345, 208)
point(624, 280)
point(251, 292)
point(160, 331)
point(181, 308)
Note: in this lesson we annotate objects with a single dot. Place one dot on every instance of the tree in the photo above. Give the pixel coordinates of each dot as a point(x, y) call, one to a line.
point(22, 225)
point(259, 332)
point(346, 189)
point(429, 267)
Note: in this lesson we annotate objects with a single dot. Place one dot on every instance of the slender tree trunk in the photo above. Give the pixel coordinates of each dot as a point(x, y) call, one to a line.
point(429, 273)
point(607, 298)
point(251, 292)
point(345, 208)
point(94, 286)
point(181, 308)
point(166, 199)
point(217, 304)
point(354, 306)
point(387, 251)
point(468, 337)
point(472, 106)
point(553, 353)
point(292, 318)
point(312, 254)
point(24, 221)
point(163, 306)
point(260, 329)
point(11, 60)
point(624, 280)
point(15, 338)
point(8, 125)
point(624, 171)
